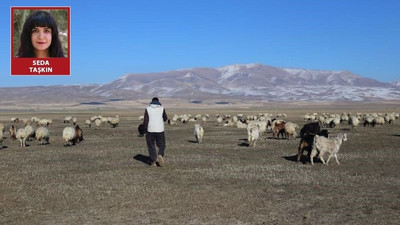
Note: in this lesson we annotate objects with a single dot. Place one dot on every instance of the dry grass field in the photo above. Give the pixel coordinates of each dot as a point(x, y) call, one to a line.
point(105, 179)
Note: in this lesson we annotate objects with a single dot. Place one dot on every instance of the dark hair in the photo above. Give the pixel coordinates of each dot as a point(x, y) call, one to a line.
point(155, 99)
point(39, 19)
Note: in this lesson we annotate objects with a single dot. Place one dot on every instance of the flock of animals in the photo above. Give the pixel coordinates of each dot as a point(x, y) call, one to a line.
point(314, 137)
point(71, 134)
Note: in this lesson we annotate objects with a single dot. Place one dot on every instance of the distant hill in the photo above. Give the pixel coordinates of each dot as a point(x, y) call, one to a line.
point(247, 81)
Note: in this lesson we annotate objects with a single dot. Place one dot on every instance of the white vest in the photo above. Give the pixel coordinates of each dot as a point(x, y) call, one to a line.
point(156, 121)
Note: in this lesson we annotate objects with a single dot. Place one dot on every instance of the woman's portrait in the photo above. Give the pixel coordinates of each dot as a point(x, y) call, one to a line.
point(40, 33)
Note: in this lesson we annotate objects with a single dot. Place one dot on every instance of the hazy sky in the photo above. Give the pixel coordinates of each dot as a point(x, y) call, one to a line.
point(113, 38)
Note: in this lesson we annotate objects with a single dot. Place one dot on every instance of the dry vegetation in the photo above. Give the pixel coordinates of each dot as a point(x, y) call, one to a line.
point(104, 180)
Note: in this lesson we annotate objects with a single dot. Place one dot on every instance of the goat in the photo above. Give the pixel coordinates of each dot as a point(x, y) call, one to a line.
point(325, 145)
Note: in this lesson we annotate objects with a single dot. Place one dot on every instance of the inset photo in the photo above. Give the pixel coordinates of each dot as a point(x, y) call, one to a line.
point(40, 41)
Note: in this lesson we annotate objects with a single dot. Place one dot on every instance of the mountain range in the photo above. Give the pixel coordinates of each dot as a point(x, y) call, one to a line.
point(239, 81)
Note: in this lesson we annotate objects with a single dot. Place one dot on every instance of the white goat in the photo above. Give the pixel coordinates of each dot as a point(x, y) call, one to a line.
point(198, 133)
point(252, 134)
point(327, 145)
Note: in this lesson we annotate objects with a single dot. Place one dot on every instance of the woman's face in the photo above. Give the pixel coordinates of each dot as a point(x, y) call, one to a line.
point(41, 38)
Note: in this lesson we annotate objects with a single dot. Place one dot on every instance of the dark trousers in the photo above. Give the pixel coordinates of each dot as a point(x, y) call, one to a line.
point(157, 139)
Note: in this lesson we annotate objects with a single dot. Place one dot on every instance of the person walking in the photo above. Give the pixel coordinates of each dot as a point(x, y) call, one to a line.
point(154, 118)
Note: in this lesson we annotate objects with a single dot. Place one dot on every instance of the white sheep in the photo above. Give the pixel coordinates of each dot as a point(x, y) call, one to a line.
point(252, 134)
point(290, 130)
point(42, 135)
point(378, 120)
point(219, 120)
point(88, 123)
point(30, 132)
point(327, 145)
point(114, 121)
point(354, 121)
point(67, 119)
point(21, 136)
point(35, 119)
point(98, 123)
point(198, 133)
point(239, 124)
point(69, 135)
point(74, 120)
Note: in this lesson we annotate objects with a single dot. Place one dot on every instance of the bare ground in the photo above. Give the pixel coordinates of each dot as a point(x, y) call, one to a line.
point(105, 179)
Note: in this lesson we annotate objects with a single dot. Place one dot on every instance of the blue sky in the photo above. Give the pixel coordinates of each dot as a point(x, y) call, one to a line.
point(113, 38)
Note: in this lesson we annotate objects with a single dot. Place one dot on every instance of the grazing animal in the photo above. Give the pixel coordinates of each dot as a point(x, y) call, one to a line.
point(306, 143)
point(310, 128)
point(72, 135)
point(30, 132)
point(279, 129)
point(198, 133)
point(21, 136)
point(290, 130)
point(42, 135)
point(253, 134)
point(69, 136)
point(325, 145)
point(78, 134)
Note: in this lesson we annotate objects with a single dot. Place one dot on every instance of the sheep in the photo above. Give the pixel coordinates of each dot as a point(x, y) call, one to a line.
point(141, 118)
point(279, 128)
point(378, 120)
point(72, 135)
point(368, 120)
point(74, 120)
point(67, 119)
point(142, 130)
point(78, 134)
point(306, 142)
point(114, 121)
point(15, 120)
point(30, 132)
point(97, 122)
point(21, 136)
point(290, 130)
point(325, 145)
point(354, 121)
point(252, 134)
point(171, 122)
point(69, 135)
point(42, 135)
point(198, 133)
point(88, 123)
point(219, 120)
point(335, 122)
point(239, 124)
point(35, 119)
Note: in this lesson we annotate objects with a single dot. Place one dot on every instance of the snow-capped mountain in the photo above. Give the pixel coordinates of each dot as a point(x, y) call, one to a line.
point(239, 81)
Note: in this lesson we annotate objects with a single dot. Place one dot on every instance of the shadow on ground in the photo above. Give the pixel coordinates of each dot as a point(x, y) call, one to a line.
point(142, 158)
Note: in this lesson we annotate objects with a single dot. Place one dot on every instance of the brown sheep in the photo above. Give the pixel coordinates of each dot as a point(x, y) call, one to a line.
point(278, 129)
point(78, 135)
